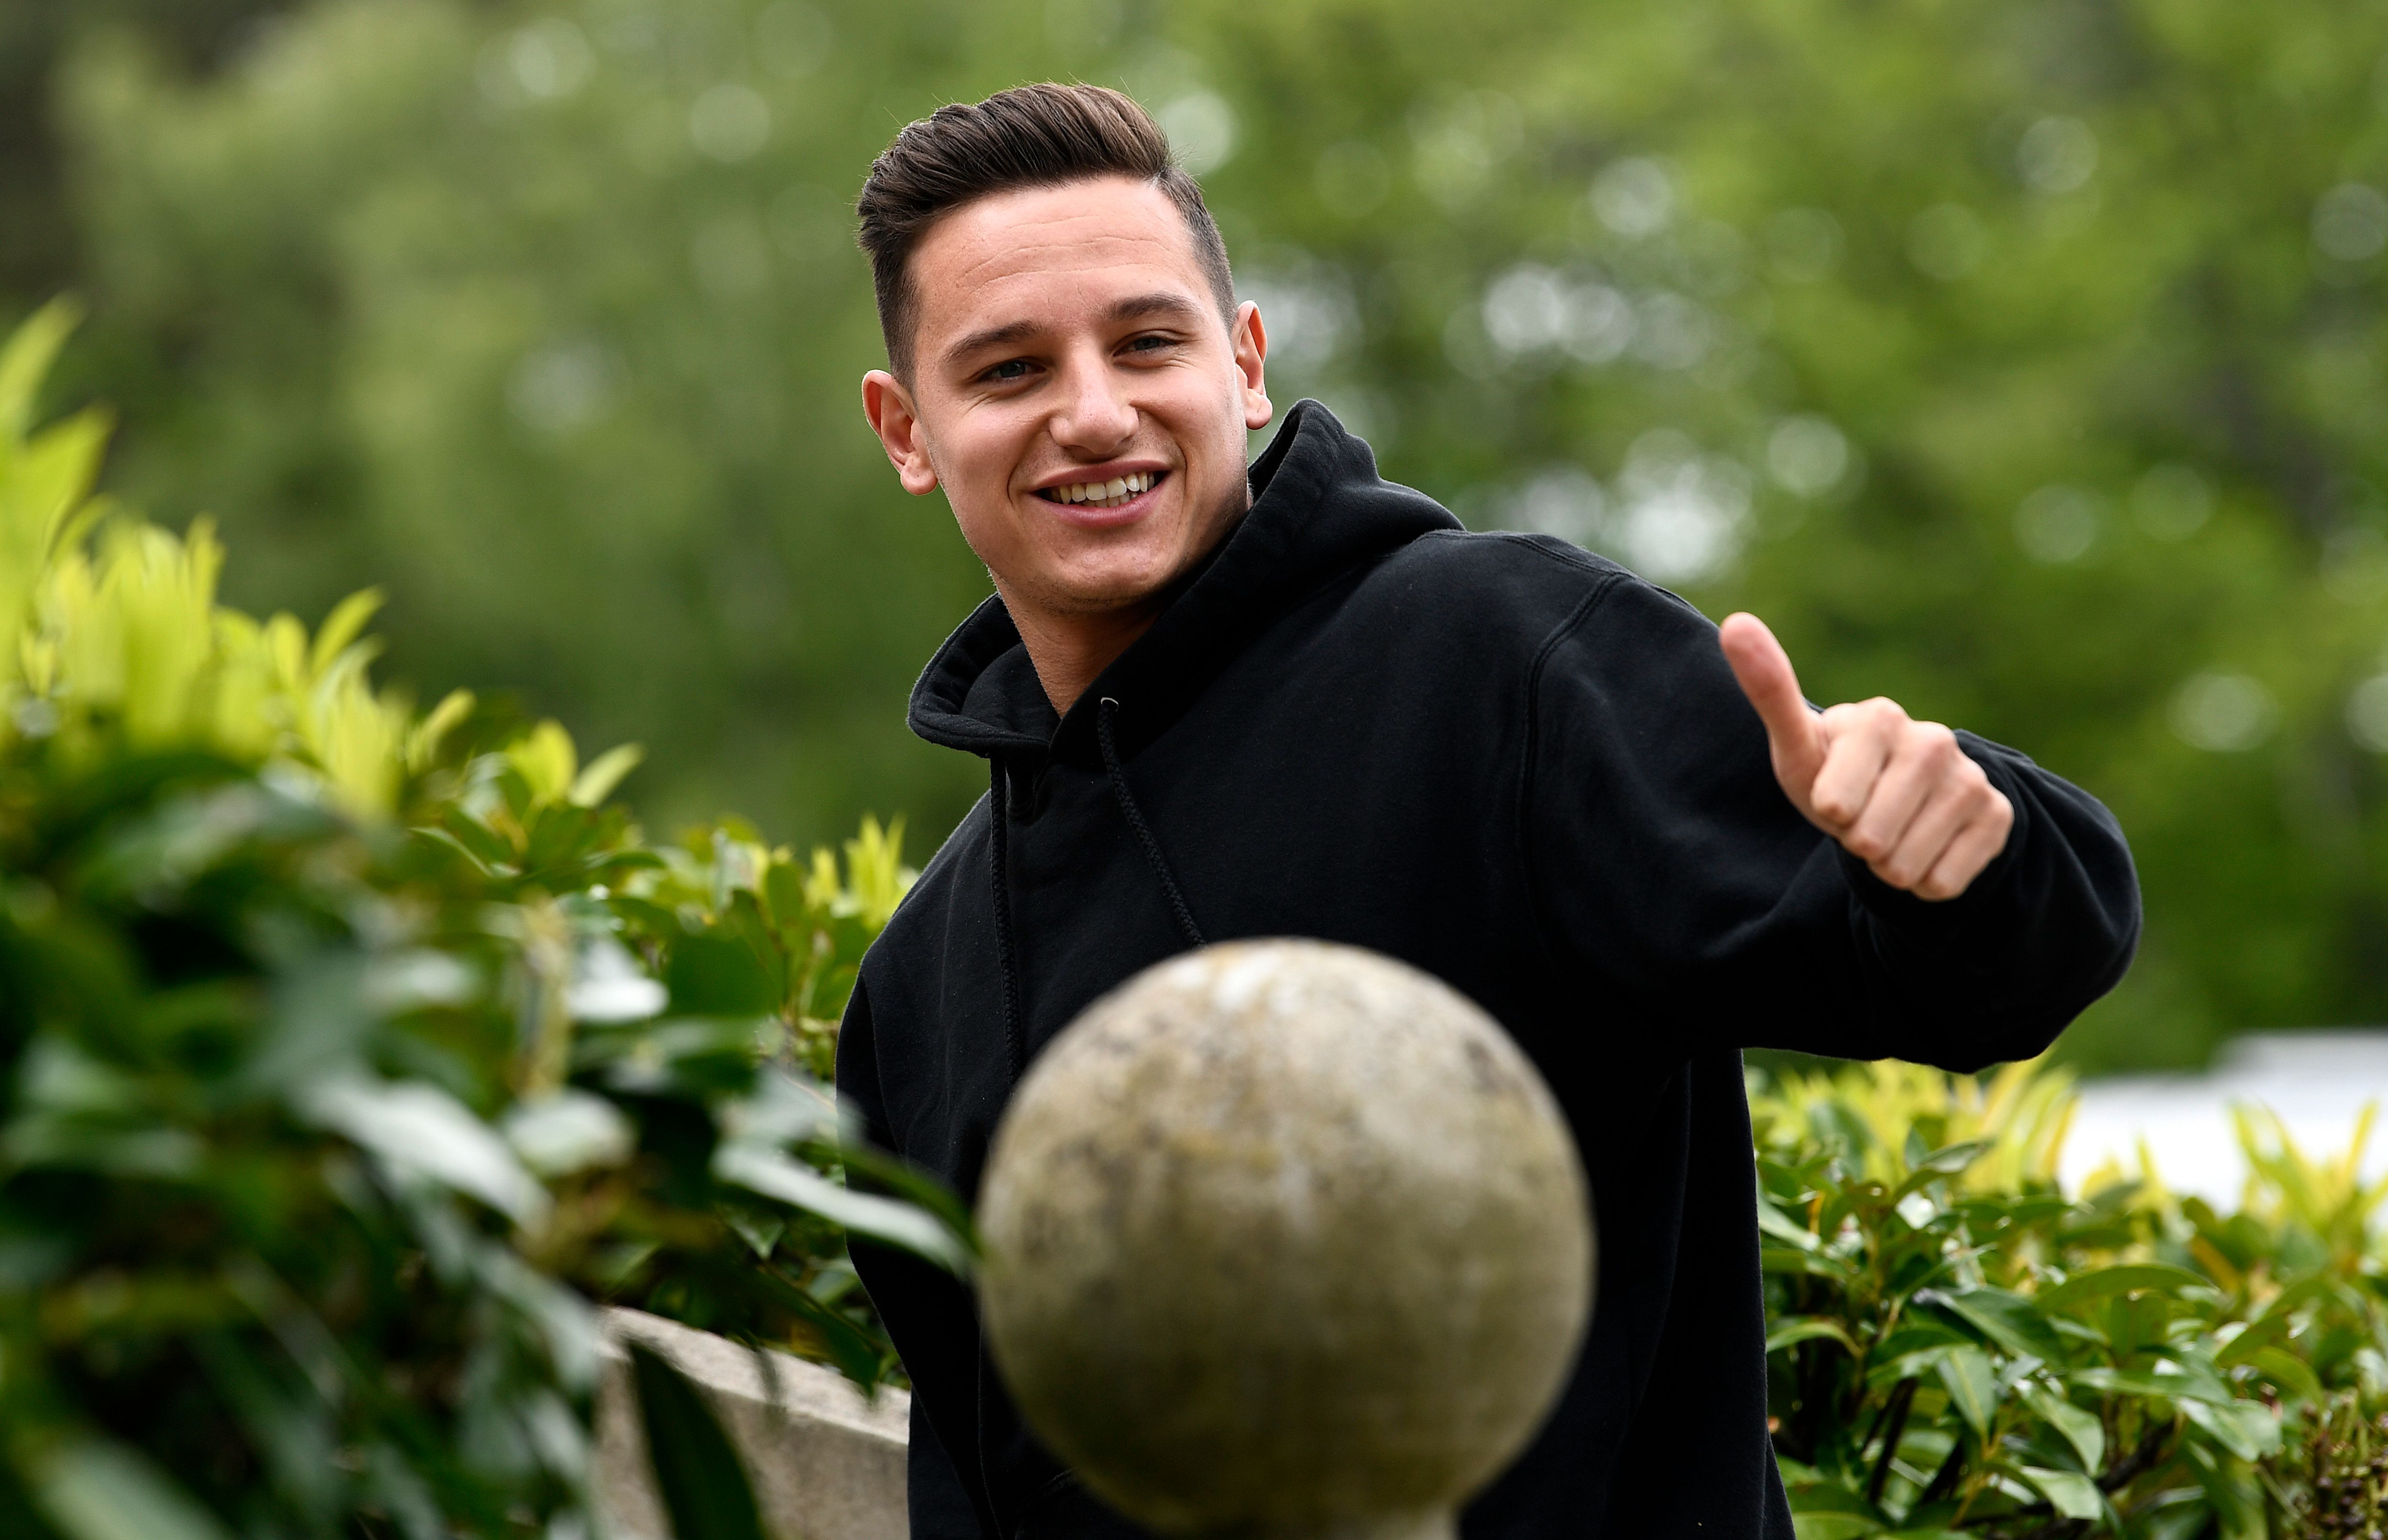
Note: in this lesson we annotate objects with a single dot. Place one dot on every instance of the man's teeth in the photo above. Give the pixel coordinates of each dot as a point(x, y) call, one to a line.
point(1104, 493)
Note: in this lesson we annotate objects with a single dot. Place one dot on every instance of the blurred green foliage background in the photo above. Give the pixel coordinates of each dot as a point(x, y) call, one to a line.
point(2020, 361)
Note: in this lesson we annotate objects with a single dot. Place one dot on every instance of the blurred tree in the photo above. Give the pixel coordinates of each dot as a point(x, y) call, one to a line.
point(2018, 362)
point(37, 245)
point(547, 323)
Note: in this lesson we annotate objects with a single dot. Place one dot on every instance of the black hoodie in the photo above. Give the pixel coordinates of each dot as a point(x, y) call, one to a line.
point(1529, 772)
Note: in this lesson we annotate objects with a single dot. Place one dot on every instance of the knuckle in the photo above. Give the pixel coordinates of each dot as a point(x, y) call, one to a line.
point(1919, 743)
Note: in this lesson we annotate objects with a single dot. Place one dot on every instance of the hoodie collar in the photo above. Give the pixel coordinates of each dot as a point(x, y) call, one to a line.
point(1318, 507)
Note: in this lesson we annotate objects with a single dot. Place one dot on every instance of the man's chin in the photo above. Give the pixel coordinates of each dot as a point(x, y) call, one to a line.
point(1118, 596)
point(1111, 586)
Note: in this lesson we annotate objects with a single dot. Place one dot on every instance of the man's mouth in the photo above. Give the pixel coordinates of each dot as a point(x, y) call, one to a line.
point(1118, 492)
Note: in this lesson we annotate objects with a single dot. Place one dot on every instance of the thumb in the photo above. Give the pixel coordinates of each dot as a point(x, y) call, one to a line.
point(1764, 669)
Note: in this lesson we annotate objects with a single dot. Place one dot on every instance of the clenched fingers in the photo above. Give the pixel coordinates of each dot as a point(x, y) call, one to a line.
point(1902, 797)
point(1976, 844)
point(1861, 740)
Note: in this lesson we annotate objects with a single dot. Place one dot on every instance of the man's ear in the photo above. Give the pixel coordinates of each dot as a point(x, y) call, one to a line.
point(1250, 341)
point(889, 406)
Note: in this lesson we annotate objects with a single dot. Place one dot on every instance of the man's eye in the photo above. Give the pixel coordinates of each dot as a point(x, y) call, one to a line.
point(1148, 343)
point(1010, 369)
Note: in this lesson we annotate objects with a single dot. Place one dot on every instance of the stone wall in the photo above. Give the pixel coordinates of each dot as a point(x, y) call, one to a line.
point(827, 1462)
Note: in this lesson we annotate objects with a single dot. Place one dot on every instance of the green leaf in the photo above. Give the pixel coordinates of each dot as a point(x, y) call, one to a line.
point(1920, 1332)
point(423, 739)
point(698, 1475)
point(898, 1224)
point(485, 844)
point(546, 761)
point(1807, 1329)
point(94, 1489)
point(340, 627)
point(1773, 1221)
point(2272, 1324)
point(784, 893)
point(559, 834)
point(2139, 1382)
point(2073, 1495)
point(418, 1128)
point(2106, 1282)
point(2081, 1427)
point(1827, 1510)
point(446, 840)
point(25, 362)
point(718, 975)
point(1973, 1384)
point(901, 1178)
point(1944, 1162)
point(856, 1355)
point(701, 1057)
point(1833, 1526)
point(1831, 1496)
point(1783, 1260)
point(598, 779)
point(2287, 1371)
point(2233, 1489)
point(2008, 1320)
point(2248, 1429)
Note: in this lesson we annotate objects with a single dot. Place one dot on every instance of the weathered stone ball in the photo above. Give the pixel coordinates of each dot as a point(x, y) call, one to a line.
point(1283, 1236)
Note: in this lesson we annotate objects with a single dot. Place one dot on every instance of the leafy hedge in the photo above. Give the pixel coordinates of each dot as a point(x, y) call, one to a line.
point(1958, 1348)
point(348, 1054)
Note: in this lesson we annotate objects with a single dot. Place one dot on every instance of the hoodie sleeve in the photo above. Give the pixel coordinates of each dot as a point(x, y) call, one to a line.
point(1668, 865)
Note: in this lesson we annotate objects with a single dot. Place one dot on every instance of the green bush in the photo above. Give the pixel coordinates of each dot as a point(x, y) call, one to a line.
point(1957, 1346)
point(347, 1056)
point(348, 1052)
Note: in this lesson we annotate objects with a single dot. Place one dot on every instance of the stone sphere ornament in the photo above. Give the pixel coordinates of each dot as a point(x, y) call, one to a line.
point(1285, 1238)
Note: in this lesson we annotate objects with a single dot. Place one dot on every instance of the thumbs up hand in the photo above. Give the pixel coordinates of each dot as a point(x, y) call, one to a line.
point(1898, 794)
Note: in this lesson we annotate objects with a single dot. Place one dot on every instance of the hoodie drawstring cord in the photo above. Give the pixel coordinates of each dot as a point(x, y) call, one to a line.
point(1000, 837)
point(1135, 821)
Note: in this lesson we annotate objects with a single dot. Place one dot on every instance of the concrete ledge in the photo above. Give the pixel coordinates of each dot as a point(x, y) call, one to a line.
point(826, 1463)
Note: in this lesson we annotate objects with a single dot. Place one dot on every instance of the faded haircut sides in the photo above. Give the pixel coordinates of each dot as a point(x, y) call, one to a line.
point(1040, 135)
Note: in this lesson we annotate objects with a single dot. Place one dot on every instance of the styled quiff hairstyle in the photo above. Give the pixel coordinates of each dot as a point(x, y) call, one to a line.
point(1040, 135)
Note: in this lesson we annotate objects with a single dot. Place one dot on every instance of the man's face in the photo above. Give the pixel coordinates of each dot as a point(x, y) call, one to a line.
point(1076, 392)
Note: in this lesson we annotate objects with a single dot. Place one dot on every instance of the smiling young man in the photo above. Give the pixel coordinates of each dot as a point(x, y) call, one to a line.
point(1294, 699)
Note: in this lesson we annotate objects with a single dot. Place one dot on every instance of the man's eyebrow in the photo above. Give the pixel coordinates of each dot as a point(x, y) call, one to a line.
point(992, 336)
point(1140, 306)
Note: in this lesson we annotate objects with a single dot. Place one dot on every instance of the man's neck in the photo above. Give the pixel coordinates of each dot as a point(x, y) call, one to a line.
point(1070, 652)
point(1070, 648)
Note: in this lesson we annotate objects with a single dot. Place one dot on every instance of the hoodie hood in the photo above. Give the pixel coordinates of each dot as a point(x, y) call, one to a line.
point(1318, 507)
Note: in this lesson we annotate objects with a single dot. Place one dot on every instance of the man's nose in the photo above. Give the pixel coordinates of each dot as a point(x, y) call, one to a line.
point(1095, 416)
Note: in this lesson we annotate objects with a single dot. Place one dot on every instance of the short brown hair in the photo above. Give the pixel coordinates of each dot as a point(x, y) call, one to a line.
point(1038, 135)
